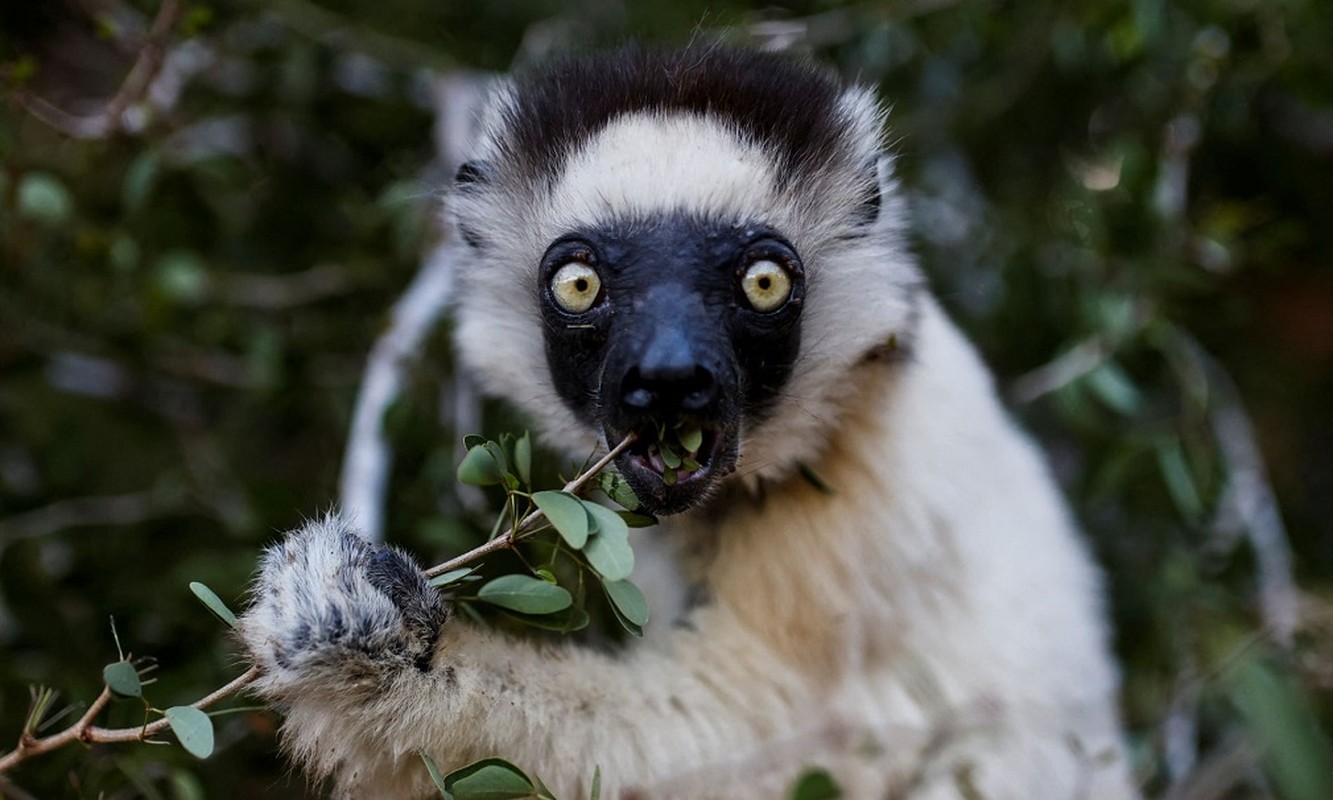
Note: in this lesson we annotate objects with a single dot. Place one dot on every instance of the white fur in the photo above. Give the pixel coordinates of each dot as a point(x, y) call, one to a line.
point(933, 622)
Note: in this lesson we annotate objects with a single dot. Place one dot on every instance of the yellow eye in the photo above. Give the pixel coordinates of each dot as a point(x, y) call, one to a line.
point(576, 286)
point(766, 285)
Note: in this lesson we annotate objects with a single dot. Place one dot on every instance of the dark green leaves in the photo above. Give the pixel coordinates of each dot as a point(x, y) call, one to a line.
point(193, 728)
point(525, 594)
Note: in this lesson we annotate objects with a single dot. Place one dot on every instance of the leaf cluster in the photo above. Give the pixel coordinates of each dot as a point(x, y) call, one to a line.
point(591, 537)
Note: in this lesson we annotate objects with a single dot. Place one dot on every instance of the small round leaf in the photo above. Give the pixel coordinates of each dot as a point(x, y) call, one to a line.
point(193, 728)
point(479, 468)
point(566, 514)
point(122, 679)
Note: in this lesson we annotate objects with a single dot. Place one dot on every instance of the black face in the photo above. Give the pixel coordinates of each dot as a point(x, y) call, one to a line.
point(674, 330)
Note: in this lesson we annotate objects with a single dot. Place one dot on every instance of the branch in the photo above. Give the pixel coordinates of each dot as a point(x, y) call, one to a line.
point(528, 525)
point(367, 459)
point(365, 472)
point(147, 66)
point(116, 509)
point(1066, 368)
point(84, 730)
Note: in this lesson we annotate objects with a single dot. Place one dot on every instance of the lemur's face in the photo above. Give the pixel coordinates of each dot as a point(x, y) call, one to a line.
point(695, 255)
point(675, 329)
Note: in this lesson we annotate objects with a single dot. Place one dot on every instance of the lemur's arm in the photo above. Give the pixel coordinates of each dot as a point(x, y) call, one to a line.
point(361, 654)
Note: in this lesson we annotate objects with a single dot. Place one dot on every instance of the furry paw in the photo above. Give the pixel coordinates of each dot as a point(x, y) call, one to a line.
point(330, 607)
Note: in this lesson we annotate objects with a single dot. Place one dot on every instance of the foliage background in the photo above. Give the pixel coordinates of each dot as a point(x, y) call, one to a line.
point(1127, 205)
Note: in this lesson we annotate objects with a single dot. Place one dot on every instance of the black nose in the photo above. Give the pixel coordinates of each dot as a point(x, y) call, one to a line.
point(665, 389)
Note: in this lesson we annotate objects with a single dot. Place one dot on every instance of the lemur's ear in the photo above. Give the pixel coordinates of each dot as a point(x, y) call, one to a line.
point(868, 211)
point(470, 172)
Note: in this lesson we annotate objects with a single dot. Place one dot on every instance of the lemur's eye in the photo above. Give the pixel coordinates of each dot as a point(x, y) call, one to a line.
point(766, 285)
point(576, 287)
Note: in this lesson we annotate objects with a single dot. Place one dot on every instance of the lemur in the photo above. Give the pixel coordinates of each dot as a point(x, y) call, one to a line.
point(715, 236)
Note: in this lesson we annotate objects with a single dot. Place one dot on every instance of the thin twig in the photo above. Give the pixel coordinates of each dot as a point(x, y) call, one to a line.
point(116, 509)
point(526, 526)
point(152, 55)
point(84, 730)
point(1066, 368)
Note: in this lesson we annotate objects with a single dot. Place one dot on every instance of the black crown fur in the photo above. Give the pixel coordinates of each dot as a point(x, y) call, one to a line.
point(787, 104)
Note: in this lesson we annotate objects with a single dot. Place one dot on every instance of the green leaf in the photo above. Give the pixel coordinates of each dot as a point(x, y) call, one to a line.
point(669, 455)
point(596, 792)
point(452, 576)
point(213, 603)
point(565, 511)
point(489, 779)
point(472, 440)
point(628, 601)
point(122, 679)
point(525, 594)
point(815, 784)
point(436, 777)
point(497, 452)
point(479, 467)
point(619, 491)
point(193, 728)
point(608, 551)
point(523, 457)
point(691, 439)
point(605, 521)
point(669, 476)
point(611, 556)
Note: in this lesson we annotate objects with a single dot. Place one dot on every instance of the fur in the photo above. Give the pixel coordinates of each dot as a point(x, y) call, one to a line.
point(931, 624)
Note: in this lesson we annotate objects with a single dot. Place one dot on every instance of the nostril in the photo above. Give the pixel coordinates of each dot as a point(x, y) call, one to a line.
point(639, 398)
point(668, 390)
point(701, 390)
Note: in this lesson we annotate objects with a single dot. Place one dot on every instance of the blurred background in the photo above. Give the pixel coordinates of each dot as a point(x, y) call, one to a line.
point(208, 210)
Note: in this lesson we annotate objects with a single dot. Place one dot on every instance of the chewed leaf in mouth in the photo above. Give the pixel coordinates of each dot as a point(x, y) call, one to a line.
point(677, 454)
point(671, 466)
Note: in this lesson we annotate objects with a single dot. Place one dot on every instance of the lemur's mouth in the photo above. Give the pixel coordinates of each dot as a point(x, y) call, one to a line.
point(671, 467)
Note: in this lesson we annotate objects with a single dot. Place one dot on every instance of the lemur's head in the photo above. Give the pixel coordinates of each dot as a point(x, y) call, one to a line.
point(697, 247)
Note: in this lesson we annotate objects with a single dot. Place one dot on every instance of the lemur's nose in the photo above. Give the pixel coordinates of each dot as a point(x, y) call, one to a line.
point(662, 389)
point(669, 376)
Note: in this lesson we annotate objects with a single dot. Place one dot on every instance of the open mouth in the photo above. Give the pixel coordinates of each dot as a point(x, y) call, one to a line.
point(671, 466)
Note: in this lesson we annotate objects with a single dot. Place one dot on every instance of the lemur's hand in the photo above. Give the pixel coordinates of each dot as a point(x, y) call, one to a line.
point(330, 607)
